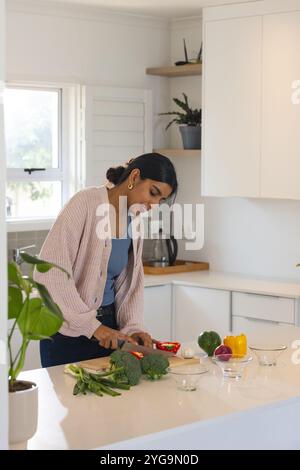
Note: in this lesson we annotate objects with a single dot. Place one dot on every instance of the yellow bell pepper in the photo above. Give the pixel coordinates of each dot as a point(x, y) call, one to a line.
point(237, 344)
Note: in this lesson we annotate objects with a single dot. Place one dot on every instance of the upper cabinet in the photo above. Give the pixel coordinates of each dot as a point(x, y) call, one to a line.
point(251, 137)
point(232, 99)
point(280, 116)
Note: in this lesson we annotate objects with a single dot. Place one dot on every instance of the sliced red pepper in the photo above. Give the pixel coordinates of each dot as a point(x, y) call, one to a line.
point(168, 346)
point(137, 354)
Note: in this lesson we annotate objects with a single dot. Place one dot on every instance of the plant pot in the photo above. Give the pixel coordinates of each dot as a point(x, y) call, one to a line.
point(191, 137)
point(23, 413)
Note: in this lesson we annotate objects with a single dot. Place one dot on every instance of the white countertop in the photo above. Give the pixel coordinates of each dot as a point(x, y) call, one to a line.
point(86, 422)
point(227, 281)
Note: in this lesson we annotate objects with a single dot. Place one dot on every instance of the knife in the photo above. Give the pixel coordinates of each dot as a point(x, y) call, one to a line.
point(125, 346)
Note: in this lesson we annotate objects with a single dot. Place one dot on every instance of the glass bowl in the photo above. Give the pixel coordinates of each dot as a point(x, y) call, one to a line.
point(232, 367)
point(267, 355)
point(187, 377)
point(203, 357)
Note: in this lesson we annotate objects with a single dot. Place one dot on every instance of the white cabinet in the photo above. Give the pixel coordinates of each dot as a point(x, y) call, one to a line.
point(281, 117)
point(157, 311)
point(251, 138)
point(258, 330)
point(197, 309)
point(232, 107)
point(263, 307)
point(259, 316)
point(180, 312)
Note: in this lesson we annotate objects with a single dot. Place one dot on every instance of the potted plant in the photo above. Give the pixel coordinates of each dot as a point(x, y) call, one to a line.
point(190, 120)
point(37, 317)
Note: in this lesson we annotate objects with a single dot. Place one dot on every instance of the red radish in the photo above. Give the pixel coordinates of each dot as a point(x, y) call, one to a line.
point(223, 352)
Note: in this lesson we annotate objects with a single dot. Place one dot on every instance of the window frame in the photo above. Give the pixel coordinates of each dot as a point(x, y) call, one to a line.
point(69, 152)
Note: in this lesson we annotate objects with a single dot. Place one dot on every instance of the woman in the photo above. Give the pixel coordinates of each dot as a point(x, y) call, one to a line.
point(102, 302)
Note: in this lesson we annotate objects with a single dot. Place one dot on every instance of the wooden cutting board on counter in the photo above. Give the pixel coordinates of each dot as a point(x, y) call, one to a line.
point(102, 363)
point(180, 266)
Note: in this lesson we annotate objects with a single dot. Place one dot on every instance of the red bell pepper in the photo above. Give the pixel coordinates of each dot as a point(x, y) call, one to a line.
point(168, 346)
point(137, 354)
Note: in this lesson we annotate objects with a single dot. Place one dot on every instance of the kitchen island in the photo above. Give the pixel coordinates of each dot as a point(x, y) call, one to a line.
point(157, 414)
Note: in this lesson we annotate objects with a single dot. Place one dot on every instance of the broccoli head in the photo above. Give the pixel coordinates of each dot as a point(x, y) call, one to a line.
point(154, 366)
point(127, 366)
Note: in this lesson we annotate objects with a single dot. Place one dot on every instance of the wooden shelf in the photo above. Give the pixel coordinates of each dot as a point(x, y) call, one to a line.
point(176, 71)
point(178, 152)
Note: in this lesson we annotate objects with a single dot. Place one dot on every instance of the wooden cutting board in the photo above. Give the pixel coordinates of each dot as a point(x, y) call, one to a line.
point(180, 266)
point(102, 363)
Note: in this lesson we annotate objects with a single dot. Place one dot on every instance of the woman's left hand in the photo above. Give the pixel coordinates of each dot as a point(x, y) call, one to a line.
point(141, 337)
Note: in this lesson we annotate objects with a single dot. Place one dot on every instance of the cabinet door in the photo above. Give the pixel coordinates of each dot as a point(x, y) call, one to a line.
point(232, 107)
point(263, 307)
point(281, 117)
point(198, 309)
point(157, 311)
point(260, 331)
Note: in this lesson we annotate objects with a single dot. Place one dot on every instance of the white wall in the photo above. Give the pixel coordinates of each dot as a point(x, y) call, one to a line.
point(252, 236)
point(249, 236)
point(72, 44)
point(85, 45)
point(3, 271)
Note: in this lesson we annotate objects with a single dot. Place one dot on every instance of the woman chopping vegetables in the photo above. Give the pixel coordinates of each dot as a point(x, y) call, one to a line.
point(102, 302)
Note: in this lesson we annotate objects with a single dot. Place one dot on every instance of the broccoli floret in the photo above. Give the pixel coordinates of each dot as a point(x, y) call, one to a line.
point(154, 366)
point(130, 367)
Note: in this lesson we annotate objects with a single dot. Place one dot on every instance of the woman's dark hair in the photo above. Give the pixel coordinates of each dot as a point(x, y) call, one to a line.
point(151, 165)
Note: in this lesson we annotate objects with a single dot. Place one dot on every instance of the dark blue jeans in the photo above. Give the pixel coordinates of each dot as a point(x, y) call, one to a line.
point(61, 349)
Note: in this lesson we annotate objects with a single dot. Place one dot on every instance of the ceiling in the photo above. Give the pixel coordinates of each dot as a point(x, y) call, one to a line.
point(162, 8)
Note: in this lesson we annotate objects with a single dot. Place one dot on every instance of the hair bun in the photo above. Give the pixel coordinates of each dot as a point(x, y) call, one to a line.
point(114, 174)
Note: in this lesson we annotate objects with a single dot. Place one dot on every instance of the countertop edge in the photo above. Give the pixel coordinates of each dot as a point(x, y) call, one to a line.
point(226, 281)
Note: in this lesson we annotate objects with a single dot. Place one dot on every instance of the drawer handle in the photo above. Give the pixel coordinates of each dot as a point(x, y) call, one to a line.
point(264, 295)
point(262, 320)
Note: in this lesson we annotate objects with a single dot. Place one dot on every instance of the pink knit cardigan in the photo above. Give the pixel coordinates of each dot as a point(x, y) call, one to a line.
point(73, 244)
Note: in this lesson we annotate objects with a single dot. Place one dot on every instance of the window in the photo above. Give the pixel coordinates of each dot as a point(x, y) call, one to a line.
point(37, 135)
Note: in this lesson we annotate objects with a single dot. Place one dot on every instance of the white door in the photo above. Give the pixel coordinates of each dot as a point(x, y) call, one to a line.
point(118, 126)
point(3, 254)
point(232, 107)
point(281, 117)
point(157, 311)
point(197, 309)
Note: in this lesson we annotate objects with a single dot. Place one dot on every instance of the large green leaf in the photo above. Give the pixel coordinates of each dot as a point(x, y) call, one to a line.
point(15, 301)
point(41, 265)
point(45, 324)
point(38, 322)
point(53, 307)
point(44, 268)
point(31, 307)
point(36, 337)
point(14, 274)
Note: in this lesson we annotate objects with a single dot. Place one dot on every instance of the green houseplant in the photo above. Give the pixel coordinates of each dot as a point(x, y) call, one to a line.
point(36, 317)
point(189, 121)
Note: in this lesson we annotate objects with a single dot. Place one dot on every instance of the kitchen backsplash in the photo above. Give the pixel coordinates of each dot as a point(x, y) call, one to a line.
point(21, 239)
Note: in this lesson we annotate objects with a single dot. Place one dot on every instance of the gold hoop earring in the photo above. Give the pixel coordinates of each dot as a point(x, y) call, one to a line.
point(130, 186)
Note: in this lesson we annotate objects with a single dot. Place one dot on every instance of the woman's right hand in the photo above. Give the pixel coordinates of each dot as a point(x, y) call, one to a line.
point(108, 338)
